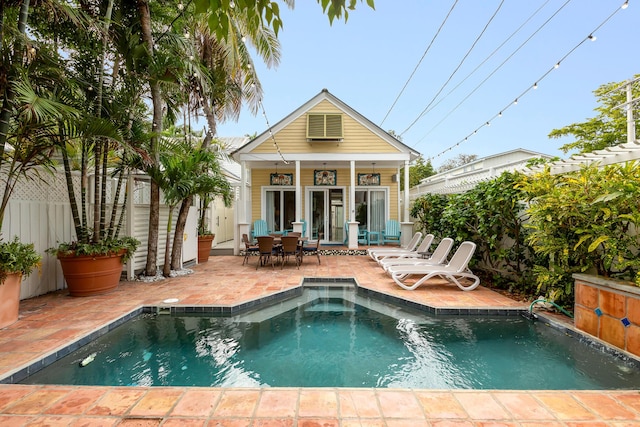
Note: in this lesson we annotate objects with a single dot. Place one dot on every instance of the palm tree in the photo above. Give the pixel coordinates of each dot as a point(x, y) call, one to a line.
point(182, 177)
point(31, 101)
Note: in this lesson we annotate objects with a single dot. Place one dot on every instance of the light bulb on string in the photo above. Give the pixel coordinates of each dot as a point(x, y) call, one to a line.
point(557, 65)
point(625, 5)
point(592, 37)
point(500, 114)
point(535, 85)
point(515, 101)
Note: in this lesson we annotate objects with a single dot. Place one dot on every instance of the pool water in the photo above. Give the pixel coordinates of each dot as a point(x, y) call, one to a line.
point(337, 339)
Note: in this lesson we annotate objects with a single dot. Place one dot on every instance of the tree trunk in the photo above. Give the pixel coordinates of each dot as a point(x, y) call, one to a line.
point(176, 251)
point(156, 99)
point(154, 223)
point(211, 121)
point(166, 267)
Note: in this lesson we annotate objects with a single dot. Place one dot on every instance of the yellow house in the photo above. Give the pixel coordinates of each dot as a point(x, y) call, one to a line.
point(327, 170)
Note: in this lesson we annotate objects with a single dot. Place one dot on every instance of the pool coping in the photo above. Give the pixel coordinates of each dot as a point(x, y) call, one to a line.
point(23, 372)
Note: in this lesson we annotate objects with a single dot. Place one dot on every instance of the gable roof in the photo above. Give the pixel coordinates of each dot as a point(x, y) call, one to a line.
point(325, 95)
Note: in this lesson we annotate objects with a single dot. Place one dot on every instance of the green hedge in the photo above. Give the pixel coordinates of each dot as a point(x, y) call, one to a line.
point(533, 232)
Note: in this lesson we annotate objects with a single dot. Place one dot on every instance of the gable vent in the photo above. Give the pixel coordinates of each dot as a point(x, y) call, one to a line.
point(324, 126)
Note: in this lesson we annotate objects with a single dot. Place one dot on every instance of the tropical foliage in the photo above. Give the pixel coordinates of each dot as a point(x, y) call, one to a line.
point(75, 78)
point(533, 232)
point(490, 215)
point(17, 257)
point(585, 221)
point(608, 128)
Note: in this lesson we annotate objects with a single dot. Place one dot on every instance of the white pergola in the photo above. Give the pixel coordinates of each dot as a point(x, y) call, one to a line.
point(611, 155)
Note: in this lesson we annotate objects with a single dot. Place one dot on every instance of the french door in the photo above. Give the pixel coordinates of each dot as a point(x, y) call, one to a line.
point(327, 216)
point(280, 209)
point(371, 208)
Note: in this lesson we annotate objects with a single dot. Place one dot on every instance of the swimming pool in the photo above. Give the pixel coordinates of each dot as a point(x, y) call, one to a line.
point(333, 337)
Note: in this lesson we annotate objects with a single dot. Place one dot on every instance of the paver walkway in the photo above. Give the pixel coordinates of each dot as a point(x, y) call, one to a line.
point(52, 321)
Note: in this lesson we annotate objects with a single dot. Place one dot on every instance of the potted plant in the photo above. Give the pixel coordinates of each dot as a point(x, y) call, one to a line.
point(92, 268)
point(17, 260)
point(92, 263)
point(205, 242)
point(211, 185)
point(205, 236)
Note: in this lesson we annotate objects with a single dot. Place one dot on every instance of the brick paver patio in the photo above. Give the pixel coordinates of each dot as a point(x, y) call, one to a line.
point(52, 321)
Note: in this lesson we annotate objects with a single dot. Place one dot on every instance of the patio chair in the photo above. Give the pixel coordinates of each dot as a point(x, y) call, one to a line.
point(260, 228)
point(439, 256)
point(411, 246)
point(267, 250)
point(249, 248)
point(455, 271)
point(289, 248)
point(420, 252)
point(346, 233)
point(363, 235)
point(391, 232)
point(312, 249)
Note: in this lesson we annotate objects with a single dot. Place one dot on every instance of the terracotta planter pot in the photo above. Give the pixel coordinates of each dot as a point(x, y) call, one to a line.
point(204, 247)
point(88, 275)
point(10, 299)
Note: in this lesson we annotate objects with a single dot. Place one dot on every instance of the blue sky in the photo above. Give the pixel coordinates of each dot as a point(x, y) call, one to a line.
point(367, 61)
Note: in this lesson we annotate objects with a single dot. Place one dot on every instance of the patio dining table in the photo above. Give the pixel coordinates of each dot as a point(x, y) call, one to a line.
point(277, 244)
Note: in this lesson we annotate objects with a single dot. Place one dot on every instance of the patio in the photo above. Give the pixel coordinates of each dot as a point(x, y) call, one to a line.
point(52, 321)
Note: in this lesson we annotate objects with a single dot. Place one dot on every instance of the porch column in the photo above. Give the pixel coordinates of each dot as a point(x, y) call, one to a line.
point(353, 225)
point(297, 224)
point(242, 224)
point(406, 227)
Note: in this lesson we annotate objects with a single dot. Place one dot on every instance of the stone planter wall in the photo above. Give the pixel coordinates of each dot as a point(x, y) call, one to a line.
point(608, 309)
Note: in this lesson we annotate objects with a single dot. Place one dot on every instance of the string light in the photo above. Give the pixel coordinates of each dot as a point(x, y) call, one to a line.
point(535, 85)
point(592, 37)
point(271, 135)
point(181, 9)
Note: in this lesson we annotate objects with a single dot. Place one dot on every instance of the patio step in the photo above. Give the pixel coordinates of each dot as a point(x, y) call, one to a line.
point(221, 251)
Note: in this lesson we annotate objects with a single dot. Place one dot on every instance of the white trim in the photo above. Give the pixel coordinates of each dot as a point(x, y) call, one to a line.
point(263, 194)
point(387, 191)
point(307, 212)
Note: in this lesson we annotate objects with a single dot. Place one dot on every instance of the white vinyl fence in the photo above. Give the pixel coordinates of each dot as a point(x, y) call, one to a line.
point(39, 213)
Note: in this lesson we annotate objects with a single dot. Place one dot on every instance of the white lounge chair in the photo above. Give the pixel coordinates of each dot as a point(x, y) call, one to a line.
point(439, 256)
point(421, 249)
point(411, 246)
point(455, 271)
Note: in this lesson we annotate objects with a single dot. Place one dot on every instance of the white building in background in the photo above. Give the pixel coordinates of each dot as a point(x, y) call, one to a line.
point(465, 177)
